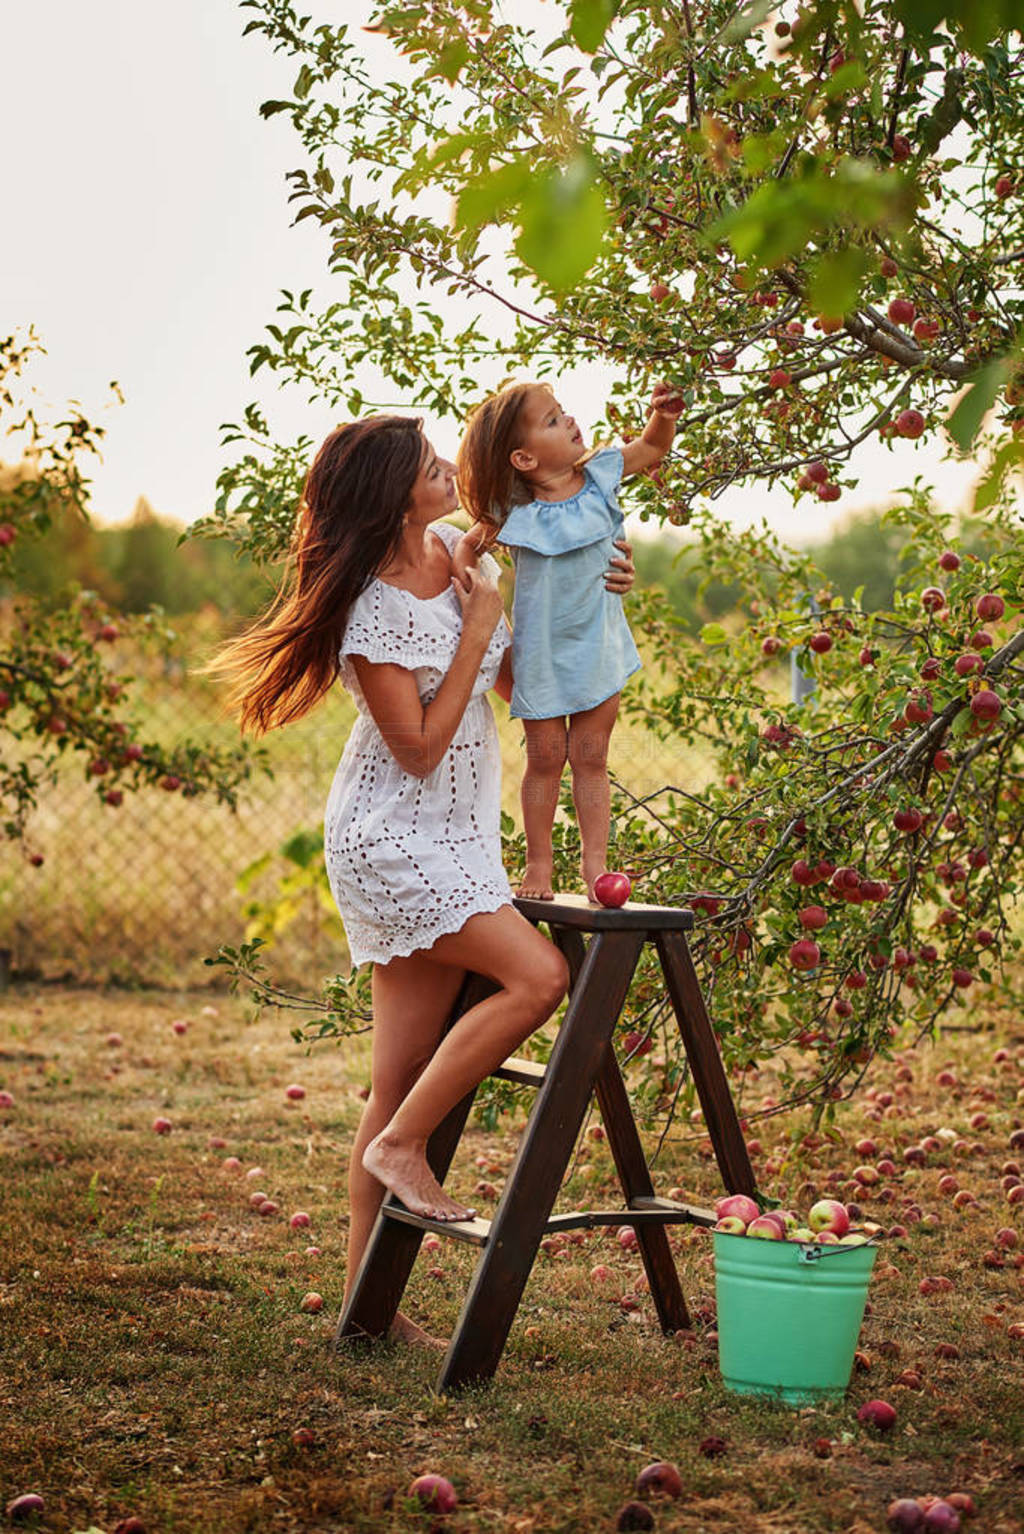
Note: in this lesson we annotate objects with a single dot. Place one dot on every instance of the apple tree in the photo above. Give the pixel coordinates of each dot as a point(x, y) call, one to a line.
point(63, 691)
point(811, 221)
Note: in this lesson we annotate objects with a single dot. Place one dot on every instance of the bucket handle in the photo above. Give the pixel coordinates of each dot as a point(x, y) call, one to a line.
point(809, 1253)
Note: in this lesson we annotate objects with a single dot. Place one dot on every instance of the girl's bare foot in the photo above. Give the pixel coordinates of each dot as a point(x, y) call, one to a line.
point(536, 882)
point(590, 873)
point(403, 1170)
point(404, 1330)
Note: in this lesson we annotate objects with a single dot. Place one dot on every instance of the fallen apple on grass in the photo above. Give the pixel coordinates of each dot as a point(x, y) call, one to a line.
point(434, 1493)
point(660, 1479)
point(877, 1414)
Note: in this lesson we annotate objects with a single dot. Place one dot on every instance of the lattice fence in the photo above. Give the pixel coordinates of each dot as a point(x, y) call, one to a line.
point(143, 892)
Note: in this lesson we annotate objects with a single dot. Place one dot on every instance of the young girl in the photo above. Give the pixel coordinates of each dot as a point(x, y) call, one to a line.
point(523, 477)
point(412, 825)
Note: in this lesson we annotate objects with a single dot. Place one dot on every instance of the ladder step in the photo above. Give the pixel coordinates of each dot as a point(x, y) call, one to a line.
point(691, 1212)
point(474, 1231)
point(528, 1073)
point(642, 1211)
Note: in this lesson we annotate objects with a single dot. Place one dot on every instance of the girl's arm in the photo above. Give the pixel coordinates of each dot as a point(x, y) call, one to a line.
point(647, 450)
point(418, 734)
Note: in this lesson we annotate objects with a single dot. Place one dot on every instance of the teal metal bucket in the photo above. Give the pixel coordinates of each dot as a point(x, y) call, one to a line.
point(789, 1315)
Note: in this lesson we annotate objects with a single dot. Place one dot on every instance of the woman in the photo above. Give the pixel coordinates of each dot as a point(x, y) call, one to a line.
point(412, 824)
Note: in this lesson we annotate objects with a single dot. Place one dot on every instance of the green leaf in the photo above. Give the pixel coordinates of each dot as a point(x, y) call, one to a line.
point(713, 633)
point(751, 16)
point(835, 284)
point(563, 222)
point(965, 421)
point(1008, 456)
point(450, 61)
point(589, 20)
point(494, 195)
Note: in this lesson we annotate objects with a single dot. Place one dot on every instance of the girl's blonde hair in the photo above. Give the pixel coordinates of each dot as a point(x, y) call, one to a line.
point(489, 483)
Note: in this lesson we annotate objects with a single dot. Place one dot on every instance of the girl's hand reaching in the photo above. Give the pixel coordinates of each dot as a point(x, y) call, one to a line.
point(666, 400)
point(621, 573)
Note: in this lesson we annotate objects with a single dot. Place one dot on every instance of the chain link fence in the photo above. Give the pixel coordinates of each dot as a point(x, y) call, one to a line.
point(141, 893)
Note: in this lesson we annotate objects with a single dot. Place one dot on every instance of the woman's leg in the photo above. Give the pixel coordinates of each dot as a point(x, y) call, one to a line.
point(412, 1000)
point(589, 734)
point(532, 977)
point(546, 750)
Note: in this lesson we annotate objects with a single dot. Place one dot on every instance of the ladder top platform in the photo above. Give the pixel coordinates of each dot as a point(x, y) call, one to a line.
point(577, 911)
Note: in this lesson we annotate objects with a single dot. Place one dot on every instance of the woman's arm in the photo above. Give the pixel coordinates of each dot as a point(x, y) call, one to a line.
point(503, 681)
point(419, 734)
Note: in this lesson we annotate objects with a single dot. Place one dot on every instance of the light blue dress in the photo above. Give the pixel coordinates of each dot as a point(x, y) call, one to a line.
point(571, 645)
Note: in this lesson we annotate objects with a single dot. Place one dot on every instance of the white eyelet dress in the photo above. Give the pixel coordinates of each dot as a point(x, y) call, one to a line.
point(410, 859)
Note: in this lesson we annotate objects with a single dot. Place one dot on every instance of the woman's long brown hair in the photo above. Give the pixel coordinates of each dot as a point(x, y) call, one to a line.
point(349, 524)
point(489, 484)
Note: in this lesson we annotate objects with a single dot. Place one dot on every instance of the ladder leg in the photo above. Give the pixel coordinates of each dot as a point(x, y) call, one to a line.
point(635, 1178)
point(706, 1064)
point(543, 1155)
point(391, 1251)
point(631, 1166)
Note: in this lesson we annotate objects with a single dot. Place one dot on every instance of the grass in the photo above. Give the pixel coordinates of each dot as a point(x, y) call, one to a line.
point(155, 1361)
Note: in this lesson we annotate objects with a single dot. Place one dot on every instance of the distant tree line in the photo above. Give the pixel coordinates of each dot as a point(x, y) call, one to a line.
point(142, 562)
point(135, 565)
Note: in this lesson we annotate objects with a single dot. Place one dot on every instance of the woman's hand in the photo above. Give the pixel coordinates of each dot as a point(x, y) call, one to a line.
point(621, 573)
point(481, 603)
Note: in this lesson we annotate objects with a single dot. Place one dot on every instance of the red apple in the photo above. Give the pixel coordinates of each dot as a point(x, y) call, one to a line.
point(878, 1413)
point(1003, 186)
point(779, 379)
point(813, 917)
point(901, 311)
point(434, 1494)
point(830, 491)
point(990, 606)
point(659, 292)
point(8, 533)
point(295, 1093)
point(901, 148)
point(300, 1219)
point(986, 705)
point(731, 1225)
point(817, 471)
point(736, 1205)
point(29, 1505)
point(765, 1229)
point(804, 955)
point(661, 1478)
point(612, 889)
point(910, 423)
point(829, 1214)
point(311, 1303)
point(949, 560)
point(933, 599)
point(820, 642)
point(162, 1126)
point(634, 1518)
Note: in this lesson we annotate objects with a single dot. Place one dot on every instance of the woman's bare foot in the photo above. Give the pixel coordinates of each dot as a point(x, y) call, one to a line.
point(536, 882)
point(404, 1330)
point(590, 873)
point(403, 1170)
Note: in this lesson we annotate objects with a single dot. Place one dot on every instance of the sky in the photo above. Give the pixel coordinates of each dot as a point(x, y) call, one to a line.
point(147, 235)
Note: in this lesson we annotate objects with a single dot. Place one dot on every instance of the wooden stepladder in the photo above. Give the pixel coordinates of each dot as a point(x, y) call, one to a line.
point(582, 1064)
